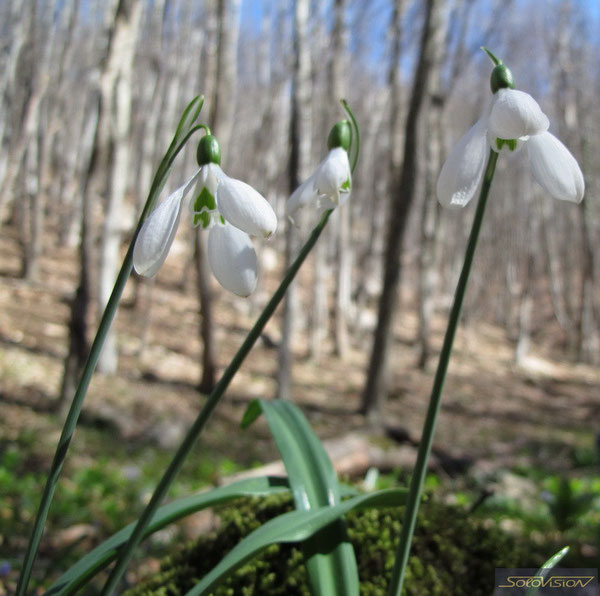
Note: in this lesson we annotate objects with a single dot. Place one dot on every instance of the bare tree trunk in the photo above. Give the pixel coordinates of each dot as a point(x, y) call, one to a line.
point(528, 286)
point(209, 368)
point(589, 346)
point(428, 276)
point(343, 282)
point(319, 312)
point(25, 156)
point(78, 346)
point(17, 78)
point(115, 113)
point(402, 195)
point(35, 200)
point(300, 118)
point(220, 76)
point(393, 162)
point(223, 105)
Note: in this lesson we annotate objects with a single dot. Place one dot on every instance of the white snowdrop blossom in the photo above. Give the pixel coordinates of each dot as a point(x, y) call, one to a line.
point(511, 121)
point(231, 209)
point(330, 184)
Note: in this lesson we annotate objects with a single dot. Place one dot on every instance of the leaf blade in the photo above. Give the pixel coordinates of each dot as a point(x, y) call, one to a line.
point(105, 552)
point(294, 526)
point(330, 559)
point(543, 571)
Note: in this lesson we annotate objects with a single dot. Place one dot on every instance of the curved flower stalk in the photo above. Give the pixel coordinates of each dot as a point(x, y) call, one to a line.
point(330, 184)
point(512, 120)
point(186, 128)
point(231, 209)
point(195, 430)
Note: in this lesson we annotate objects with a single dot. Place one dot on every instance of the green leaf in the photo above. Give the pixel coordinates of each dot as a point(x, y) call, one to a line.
point(185, 126)
point(102, 555)
point(189, 116)
point(311, 475)
point(294, 526)
point(253, 411)
point(552, 562)
point(330, 559)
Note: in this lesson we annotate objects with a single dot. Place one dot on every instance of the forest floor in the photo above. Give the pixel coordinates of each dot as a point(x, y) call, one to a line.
point(495, 415)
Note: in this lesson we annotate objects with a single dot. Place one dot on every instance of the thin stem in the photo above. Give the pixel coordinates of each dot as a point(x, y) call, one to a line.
point(355, 140)
point(208, 408)
point(418, 476)
point(88, 370)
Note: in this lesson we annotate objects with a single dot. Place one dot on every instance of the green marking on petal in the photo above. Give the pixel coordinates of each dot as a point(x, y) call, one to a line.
point(202, 219)
point(510, 143)
point(203, 205)
point(347, 185)
point(204, 200)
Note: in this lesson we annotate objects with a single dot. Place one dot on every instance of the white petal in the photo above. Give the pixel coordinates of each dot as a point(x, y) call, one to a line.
point(463, 170)
point(554, 168)
point(232, 259)
point(156, 236)
point(332, 174)
point(304, 195)
point(516, 114)
point(245, 208)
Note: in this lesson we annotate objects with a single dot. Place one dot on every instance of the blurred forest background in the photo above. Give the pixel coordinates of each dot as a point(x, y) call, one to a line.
point(90, 93)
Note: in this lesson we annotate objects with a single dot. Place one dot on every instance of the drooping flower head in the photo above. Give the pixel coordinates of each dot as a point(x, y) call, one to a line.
point(512, 120)
point(232, 211)
point(330, 184)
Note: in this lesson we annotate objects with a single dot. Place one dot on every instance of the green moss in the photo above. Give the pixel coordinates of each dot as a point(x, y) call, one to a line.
point(451, 554)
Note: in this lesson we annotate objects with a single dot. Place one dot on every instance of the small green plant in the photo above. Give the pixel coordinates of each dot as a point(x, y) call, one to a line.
point(568, 501)
point(452, 554)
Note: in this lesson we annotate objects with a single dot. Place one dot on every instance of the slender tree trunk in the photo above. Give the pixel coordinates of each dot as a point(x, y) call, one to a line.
point(19, 103)
point(78, 345)
point(528, 287)
point(35, 200)
point(115, 108)
point(222, 109)
point(343, 280)
point(220, 63)
point(402, 195)
point(428, 276)
point(209, 368)
point(300, 119)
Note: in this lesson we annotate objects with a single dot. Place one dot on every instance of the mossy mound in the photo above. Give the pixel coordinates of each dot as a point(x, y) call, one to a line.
point(451, 554)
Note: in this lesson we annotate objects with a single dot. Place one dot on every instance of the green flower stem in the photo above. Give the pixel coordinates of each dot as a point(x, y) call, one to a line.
point(90, 365)
point(418, 476)
point(208, 408)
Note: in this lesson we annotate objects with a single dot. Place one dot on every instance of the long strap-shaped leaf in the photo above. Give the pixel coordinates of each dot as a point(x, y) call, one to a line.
point(330, 560)
point(103, 554)
point(545, 569)
point(295, 526)
point(185, 129)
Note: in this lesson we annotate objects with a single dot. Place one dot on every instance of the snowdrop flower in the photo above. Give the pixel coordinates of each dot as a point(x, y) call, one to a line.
point(330, 184)
point(232, 210)
point(512, 120)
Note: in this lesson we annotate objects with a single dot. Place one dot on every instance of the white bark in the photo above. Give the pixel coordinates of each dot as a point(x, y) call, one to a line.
point(116, 92)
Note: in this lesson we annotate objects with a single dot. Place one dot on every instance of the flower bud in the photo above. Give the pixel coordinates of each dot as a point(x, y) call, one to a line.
point(208, 151)
point(340, 135)
point(501, 78)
